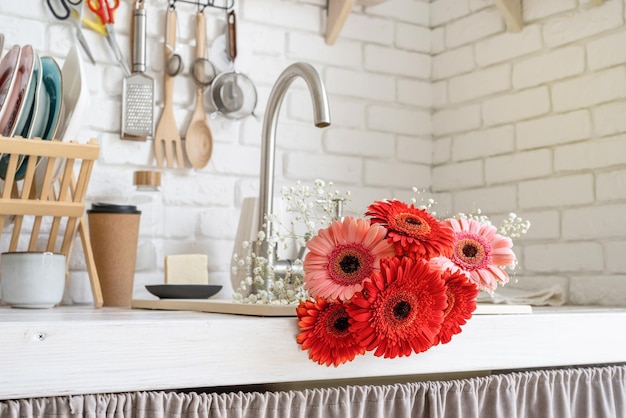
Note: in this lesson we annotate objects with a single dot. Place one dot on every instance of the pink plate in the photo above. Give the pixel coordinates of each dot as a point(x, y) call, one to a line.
point(8, 70)
point(16, 98)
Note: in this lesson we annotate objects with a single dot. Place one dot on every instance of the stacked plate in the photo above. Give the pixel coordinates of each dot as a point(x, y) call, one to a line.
point(34, 100)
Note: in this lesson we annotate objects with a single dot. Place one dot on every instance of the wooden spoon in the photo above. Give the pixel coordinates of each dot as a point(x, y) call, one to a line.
point(199, 140)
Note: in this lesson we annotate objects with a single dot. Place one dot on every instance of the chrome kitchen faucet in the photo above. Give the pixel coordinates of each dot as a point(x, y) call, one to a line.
point(321, 115)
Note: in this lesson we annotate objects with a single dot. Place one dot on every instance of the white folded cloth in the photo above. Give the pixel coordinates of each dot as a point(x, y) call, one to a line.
point(552, 296)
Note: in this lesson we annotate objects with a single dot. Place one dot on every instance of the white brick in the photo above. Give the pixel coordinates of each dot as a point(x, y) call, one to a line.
point(598, 153)
point(437, 40)
point(543, 224)
point(473, 27)
point(358, 142)
point(456, 120)
point(368, 29)
point(413, 38)
point(551, 66)
point(218, 223)
point(415, 93)
point(442, 150)
point(488, 199)
point(606, 51)
point(556, 191)
point(235, 159)
point(453, 62)
point(398, 62)
point(359, 84)
point(538, 9)
point(440, 94)
point(583, 23)
point(311, 47)
point(284, 14)
point(393, 174)
point(562, 257)
point(482, 143)
point(343, 112)
point(402, 121)
point(554, 129)
point(458, 176)
point(615, 256)
point(508, 45)
point(199, 190)
point(480, 4)
point(598, 290)
point(611, 185)
point(610, 118)
point(415, 150)
point(300, 166)
point(516, 106)
point(443, 11)
point(479, 83)
point(410, 11)
point(595, 222)
point(518, 166)
point(589, 90)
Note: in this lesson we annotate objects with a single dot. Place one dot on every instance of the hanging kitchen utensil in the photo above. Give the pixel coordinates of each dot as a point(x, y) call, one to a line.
point(174, 64)
point(167, 136)
point(233, 94)
point(199, 140)
point(138, 88)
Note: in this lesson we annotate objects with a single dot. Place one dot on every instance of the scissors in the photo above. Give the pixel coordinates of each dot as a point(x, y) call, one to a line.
point(72, 9)
point(105, 10)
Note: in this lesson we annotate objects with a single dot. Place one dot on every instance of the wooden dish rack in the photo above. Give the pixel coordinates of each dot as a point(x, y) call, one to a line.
point(51, 192)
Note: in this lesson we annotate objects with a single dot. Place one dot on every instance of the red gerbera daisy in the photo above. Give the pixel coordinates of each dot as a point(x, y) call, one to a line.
point(400, 310)
point(325, 332)
point(461, 295)
point(414, 232)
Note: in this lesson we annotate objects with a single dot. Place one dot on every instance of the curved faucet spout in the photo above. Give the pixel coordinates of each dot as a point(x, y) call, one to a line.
point(321, 115)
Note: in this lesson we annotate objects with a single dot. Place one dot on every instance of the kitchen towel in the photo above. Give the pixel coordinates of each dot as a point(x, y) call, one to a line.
point(552, 296)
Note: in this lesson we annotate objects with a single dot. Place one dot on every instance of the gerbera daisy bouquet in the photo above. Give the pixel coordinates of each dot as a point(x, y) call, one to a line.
point(398, 280)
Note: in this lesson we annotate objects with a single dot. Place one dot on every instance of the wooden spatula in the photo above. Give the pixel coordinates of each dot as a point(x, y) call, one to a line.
point(167, 136)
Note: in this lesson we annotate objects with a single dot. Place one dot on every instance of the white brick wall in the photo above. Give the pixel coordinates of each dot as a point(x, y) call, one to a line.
point(549, 145)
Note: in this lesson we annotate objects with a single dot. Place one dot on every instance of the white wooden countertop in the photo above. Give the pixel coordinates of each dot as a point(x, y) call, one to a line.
point(80, 350)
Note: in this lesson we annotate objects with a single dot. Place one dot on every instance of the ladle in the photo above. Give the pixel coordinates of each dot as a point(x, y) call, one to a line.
point(199, 140)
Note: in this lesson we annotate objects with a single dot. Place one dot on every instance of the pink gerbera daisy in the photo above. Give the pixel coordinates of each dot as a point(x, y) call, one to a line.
point(479, 253)
point(343, 256)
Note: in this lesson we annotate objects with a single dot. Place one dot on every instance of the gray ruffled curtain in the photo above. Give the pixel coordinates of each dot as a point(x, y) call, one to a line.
point(565, 393)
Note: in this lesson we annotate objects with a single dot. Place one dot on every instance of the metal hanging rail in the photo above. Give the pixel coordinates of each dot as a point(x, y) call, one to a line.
point(202, 4)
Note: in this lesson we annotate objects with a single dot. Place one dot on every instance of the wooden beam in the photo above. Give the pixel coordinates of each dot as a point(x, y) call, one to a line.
point(338, 11)
point(512, 12)
point(597, 2)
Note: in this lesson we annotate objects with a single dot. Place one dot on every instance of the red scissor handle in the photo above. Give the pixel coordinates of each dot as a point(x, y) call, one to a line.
point(104, 9)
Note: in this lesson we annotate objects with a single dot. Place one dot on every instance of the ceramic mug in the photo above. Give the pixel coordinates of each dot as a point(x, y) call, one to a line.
point(32, 279)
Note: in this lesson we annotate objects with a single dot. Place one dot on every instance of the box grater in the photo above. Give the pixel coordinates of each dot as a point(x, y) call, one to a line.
point(138, 88)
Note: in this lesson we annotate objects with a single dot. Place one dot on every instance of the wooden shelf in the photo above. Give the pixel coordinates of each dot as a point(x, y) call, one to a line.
point(338, 11)
point(512, 12)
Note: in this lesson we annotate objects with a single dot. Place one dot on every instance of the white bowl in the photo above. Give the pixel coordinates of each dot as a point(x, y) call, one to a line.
point(32, 279)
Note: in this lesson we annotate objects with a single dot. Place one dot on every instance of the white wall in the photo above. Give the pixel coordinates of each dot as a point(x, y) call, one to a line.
point(534, 122)
point(377, 76)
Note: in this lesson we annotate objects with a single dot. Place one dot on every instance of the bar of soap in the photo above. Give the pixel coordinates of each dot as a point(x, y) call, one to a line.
point(186, 269)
